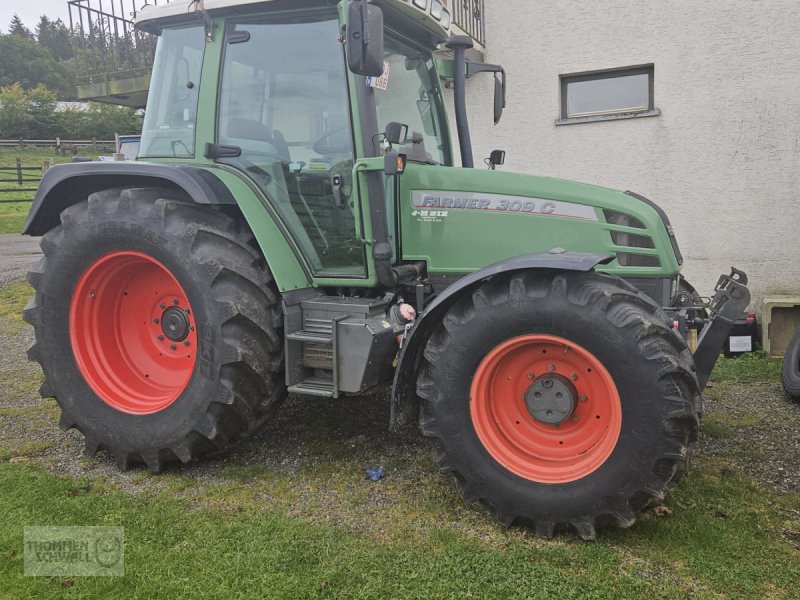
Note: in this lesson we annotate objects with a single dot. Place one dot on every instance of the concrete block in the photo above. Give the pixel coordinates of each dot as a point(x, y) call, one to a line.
point(780, 317)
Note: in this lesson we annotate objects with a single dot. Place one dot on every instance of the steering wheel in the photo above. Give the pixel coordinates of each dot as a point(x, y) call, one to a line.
point(343, 146)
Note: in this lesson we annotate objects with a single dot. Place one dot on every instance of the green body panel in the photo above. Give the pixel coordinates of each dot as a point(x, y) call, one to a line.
point(464, 240)
point(281, 253)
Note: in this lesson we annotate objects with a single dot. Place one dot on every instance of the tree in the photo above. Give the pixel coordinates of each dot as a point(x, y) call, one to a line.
point(43, 122)
point(54, 36)
point(26, 62)
point(18, 28)
point(34, 114)
point(14, 117)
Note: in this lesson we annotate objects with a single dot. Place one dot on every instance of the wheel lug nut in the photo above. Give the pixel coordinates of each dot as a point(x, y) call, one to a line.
point(186, 343)
point(93, 294)
point(191, 327)
point(175, 302)
point(161, 338)
point(584, 398)
point(188, 311)
point(162, 306)
point(530, 375)
point(574, 376)
point(173, 347)
point(551, 367)
point(156, 321)
point(575, 418)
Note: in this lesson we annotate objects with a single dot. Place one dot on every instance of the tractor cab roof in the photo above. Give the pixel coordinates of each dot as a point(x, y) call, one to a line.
point(433, 21)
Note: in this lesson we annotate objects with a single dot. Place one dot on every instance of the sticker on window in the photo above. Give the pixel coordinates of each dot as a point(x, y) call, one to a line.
point(382, 82)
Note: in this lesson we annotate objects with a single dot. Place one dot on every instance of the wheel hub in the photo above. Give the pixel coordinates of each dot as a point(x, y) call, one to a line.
point(175, 324)
point(551, 399)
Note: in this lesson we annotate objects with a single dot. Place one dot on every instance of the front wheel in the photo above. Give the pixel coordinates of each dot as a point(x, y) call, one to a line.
point(157, 327)
point(560, 400)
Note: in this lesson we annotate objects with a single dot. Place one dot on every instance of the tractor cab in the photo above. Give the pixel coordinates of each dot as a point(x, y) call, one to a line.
point(284, 107)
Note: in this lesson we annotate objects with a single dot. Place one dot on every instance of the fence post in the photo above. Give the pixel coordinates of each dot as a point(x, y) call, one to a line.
point(94, 144)
point(58, 144)
point(19, 171)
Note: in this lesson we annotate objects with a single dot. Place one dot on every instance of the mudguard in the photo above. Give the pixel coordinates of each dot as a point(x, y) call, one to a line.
point(404, 397)
point(64, 185)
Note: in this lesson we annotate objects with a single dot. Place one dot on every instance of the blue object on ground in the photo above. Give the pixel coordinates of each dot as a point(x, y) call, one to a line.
point(374, 474)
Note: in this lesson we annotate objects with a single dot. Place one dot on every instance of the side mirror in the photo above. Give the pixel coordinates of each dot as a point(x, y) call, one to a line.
point(497, 157)
point(364, 38)
point(499, 98)
point(396, 133)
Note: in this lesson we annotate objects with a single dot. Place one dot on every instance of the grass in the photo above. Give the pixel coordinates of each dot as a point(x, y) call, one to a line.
point(726, 542)
point(753, 366)
point(244, 527)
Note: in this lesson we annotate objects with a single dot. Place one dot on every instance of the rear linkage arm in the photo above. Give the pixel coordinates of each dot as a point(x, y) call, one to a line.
point(731, 297)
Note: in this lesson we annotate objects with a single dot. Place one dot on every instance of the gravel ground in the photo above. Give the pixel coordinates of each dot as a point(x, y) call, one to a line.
point(18, 253)
point(764, 429)
point(321, 447)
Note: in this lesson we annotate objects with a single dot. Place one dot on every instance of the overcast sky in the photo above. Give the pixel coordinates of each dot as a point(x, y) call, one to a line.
point(30, 11)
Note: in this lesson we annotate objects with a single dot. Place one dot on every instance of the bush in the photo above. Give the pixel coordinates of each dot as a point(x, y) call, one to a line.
point(33, 114)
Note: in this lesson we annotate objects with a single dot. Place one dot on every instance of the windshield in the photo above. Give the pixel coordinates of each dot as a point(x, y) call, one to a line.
point(412, 97)
point(169, 120)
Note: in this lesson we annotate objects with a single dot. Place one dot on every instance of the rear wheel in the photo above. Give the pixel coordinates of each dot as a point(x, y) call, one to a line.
point(790, 374)
point(565, 401)
point(156, 326)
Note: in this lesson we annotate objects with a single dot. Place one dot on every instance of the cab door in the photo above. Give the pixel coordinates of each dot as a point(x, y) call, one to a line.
point(283, 102)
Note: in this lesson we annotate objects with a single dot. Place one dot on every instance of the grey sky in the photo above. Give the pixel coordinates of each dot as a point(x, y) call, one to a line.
point(30, 11)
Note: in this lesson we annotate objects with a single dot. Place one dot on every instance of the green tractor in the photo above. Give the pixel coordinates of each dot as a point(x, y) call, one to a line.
point(295, 223)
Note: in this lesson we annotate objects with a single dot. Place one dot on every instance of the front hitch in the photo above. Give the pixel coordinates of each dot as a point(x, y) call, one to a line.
point(731, 297)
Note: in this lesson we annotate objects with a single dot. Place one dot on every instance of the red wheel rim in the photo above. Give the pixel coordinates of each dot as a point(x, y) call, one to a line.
point(132, 332)
point(500, 397)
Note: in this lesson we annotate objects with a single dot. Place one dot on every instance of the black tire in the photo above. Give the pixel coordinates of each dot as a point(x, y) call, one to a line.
point(790, 374)
point(238, 377)
point(628, 333)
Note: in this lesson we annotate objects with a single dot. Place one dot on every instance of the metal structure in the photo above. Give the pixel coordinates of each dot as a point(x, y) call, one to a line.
point(468, 15)
point(112, 59)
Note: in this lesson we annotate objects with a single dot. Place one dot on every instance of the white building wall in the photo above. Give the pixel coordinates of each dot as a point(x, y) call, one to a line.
point(723, 158)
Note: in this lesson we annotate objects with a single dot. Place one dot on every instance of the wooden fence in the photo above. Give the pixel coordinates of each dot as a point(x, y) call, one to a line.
point(59, 143)
point(23, 176)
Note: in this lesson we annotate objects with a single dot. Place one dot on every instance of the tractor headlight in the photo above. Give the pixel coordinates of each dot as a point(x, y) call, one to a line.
point(423, 4)
point(436, 10)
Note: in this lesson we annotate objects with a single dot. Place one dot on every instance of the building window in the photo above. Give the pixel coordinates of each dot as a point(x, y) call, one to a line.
point(605, 95)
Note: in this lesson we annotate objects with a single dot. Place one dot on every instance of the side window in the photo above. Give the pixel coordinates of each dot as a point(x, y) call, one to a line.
point(171, 116)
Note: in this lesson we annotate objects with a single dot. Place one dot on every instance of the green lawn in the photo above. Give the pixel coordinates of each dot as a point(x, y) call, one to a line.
point(249, 527)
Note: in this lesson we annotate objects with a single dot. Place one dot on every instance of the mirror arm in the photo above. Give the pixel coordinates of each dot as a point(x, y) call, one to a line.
point(473, 68)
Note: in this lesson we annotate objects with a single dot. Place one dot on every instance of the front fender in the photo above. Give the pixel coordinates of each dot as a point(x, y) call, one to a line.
point(404, 396)
point(64, 185)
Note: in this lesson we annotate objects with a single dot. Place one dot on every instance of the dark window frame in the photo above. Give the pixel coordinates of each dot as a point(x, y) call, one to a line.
point(602, 74)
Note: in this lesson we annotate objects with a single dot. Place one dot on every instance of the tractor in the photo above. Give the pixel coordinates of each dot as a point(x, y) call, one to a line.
point(295, 223)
